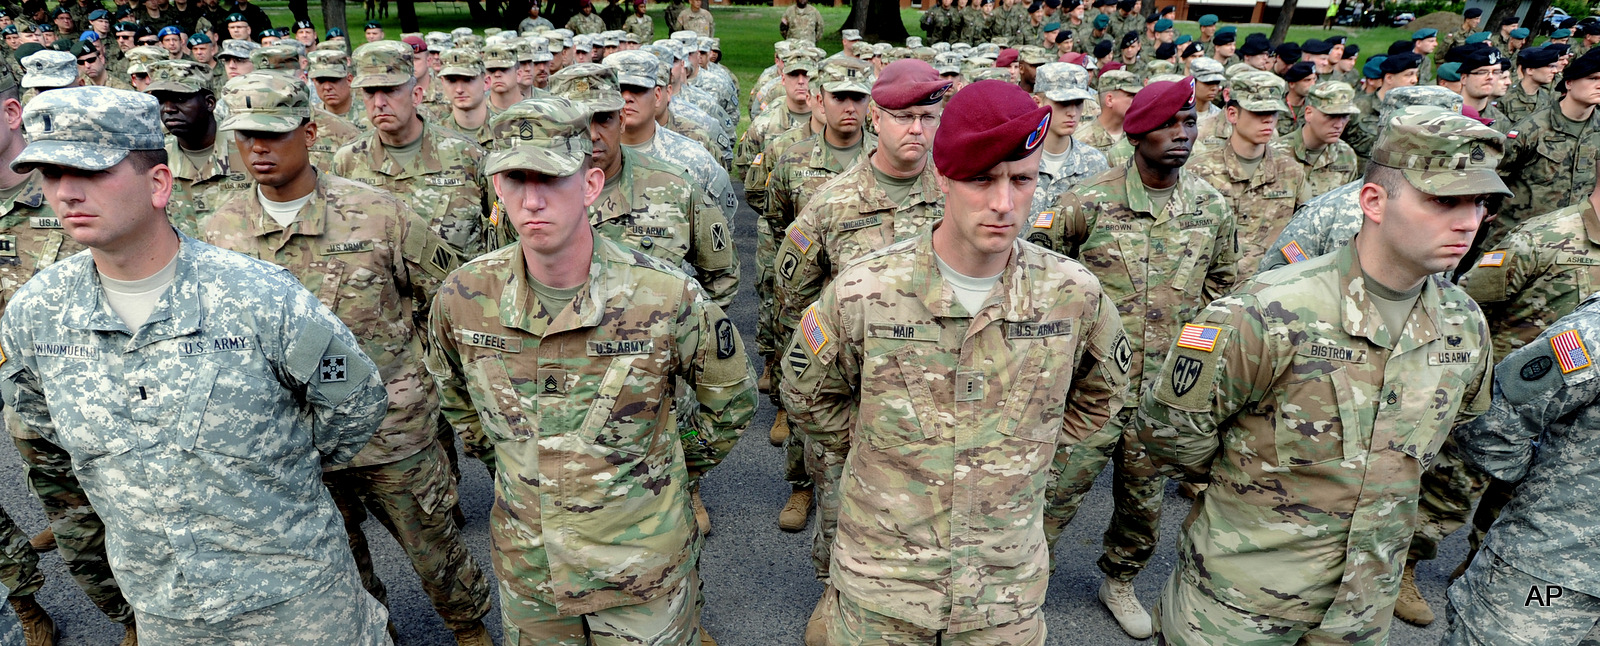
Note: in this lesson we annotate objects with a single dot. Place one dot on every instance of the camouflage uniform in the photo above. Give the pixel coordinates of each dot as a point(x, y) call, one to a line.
point(1211, 133)
point(933, 396)
point(443, 185)
point(582, 396)
point(586, 23)
point(265, 385)
point(466, 62)
point(763, 129)
point(1065, 82)
point(1537, 433)
point(802, 23)
point(1186, 255)
point(1549, 164)
point(1336, 163)
point(368, 257)
point(1300, 539)
point(642, 26)
point(699, 22)
point(1517, 104)
point(1320, 226)
point(197, 191)
point(333, 131)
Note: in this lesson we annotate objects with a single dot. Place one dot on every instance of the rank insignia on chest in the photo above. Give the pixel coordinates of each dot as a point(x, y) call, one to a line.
point(1493, 259)
point(1199, 337)
point(1292, 252)
point(815, 334)
point(1045, 220)
point(1570, 351)
point(333, 368)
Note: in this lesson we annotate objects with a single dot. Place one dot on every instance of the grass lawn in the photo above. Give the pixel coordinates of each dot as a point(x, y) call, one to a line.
point(748, 32)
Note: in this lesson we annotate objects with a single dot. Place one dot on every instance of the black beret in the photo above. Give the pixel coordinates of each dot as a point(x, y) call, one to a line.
point(1480, 57)
point(1459, 53)
point(1289, 52)
point(1510, 20)
point(1299, 71)
point(1350, 51)
point(1165, 51)
point(1224, 38)
point(1253, 46)
point(1397, 63)
point(1152, 18)
point(1334, 40)
point(1316, 47)
point(1102, 49)
point(1536, 57)
point(1063, 36)
point(1190, 49)
point(1559, 48)
point(1130, 38)
point(1580, 67)
point(1472, 13)
point(1125, 5)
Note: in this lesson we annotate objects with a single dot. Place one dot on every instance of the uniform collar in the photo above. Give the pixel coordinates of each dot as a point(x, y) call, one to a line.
point(520, 307)
point(1591, 222)
point(427, 160)
point(1012, 293)
point(176, 314)
point(1265, 172)
point(311, 221)
point(1183, 202)
point(1361, 316)
point(874, 198)
point(219, 164)
point(31, 195)
point(622, 189)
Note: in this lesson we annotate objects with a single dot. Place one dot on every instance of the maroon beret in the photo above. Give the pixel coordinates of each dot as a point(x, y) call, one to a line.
point(1006, 58)
point(1076, 58)
point(908, 82)
point(1113, 65)
point(984, 124)
point(1156, 103)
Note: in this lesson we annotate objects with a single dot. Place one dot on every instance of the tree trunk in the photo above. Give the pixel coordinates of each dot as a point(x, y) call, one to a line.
point(408, 16)
point(300, 11)
point(878, 20)
point(475, 10)
point(1491, 22)
point(1285, 16)
point(1534, 19)
point(333, 16)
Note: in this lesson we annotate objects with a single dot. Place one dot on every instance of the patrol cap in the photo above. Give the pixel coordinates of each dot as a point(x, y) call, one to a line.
point(140, 58)
point(1120, 80)
point(610, 39)
point(1062, 82)
point(589, 85)
point(89, 128)
point(637, 68)
point(384, 63)
point(1160, 67)
point(1034, 55)
point(799, 61)
point(534, 50)
point(546, 134)
point(1418, 95)
point(1333, 98)
point(459, 61)
point(1441, 152)
point(328, 63)
point(499, 57)
point(282, 57)
point(239, 49)
point(862, 49)
point(582, 43)
point(688, 37)
point(907, 83)
point(845, 75)
point(1206, 70)
point(985, 124)
point(946, 63)
point(180, 76)
point(1256, 91)
point(49, 68)
point(850, 34)
point(991, 74)
point(266, 102)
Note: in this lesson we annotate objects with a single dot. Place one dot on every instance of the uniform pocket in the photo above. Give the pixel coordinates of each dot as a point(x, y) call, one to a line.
point(500, 409)
point(1031, 412)
point(1311, 420)
point(238, 412)
point(626, 408)
point(892, 421)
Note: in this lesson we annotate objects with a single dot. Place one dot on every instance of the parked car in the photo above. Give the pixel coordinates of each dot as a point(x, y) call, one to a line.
point(1404, 19)
point(1553, 17)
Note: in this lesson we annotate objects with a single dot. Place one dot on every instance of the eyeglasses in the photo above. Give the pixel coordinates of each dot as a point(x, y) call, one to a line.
point(91, 59)
point(907, 118)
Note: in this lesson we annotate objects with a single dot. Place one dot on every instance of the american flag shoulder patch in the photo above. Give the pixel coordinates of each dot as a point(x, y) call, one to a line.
point(1293, 253)
point(1045, 220)
point(1492, 259)
point(1199, 337)
point(757, 160)
point(816, 335)
point(1570, 351)
point(800, 239)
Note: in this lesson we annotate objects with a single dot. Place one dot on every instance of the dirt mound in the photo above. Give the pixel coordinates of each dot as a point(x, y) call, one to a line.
point(1443, 21)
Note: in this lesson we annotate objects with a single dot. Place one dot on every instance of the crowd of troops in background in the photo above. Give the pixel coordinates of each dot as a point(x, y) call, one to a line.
point(1034, 242)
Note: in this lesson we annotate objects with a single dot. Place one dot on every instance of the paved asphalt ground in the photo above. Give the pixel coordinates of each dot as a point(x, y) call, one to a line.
point(758, 580)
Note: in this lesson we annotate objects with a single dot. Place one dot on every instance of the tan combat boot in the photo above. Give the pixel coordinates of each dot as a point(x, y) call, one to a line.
point(474, 635)
point(701, 516)
point(37, 627)
point(796, 511)
point(705, 638)
point(764, 384)
point(1124, 605)
point(43, 541)
point(1411, 606)
point(130, 636)
point(780, 429)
